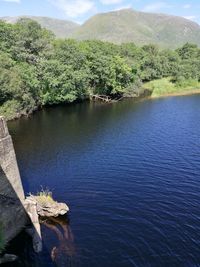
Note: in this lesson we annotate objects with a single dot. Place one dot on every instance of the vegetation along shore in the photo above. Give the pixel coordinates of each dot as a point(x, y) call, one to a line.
point(36, 69)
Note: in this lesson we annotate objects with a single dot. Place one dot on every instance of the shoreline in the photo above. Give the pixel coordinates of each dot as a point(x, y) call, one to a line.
point(192, 92)
point(150, 97)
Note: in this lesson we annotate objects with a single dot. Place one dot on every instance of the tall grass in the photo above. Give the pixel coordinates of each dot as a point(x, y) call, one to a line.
point(165, 86)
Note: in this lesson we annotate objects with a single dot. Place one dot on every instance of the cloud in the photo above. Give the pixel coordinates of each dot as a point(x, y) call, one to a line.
point(12, 1)
point(186, 6)
point(123, 7)
point(73, 8)
point(190, 17)
point(155, 7)
point(111, 2)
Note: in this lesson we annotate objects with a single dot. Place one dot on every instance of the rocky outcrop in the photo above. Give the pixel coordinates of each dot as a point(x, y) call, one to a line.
point(47, 207)
point(44, 206)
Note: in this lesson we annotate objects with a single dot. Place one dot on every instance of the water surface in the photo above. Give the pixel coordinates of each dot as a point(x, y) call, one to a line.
point(130, 173)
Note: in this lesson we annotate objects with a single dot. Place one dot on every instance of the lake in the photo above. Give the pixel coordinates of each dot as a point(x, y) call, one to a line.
point(130, 173)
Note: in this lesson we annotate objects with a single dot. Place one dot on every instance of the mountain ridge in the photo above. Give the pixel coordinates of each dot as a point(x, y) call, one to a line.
point(141, 28)
point(126, 25)
point(61, 28)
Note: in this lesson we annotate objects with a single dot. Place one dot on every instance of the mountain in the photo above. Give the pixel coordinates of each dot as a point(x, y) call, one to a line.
point(61, 28)
point(139, 27)
point(126, 25)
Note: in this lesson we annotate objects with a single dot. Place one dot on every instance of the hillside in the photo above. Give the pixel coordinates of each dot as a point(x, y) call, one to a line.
point(126, 25)
point(61, 28)
point(142, 28)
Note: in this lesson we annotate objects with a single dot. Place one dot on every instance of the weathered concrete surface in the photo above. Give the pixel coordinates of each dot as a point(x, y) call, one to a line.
point(13, 216)
point(35, 232)
point(12, 213)
point(9, 165)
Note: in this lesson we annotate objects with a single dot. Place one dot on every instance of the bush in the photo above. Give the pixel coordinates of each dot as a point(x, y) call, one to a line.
point(11, 109)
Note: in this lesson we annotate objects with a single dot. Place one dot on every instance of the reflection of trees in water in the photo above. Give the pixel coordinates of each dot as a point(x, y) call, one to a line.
point(63, 255)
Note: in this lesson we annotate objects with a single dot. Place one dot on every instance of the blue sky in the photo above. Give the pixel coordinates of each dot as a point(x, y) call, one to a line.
point(81, 10)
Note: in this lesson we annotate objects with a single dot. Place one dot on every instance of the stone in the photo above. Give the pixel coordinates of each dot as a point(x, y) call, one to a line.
point(48, 207)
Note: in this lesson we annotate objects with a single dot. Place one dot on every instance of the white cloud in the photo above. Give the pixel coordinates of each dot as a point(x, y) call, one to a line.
point(155, 7)
point(12, 1)
point(122, 7)
point(111, 2)
point(190, 17)
point(74, 8)
point(186, 6)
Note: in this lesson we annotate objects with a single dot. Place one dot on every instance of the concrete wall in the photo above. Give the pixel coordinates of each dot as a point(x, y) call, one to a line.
point(8, 164)
point(12, 213)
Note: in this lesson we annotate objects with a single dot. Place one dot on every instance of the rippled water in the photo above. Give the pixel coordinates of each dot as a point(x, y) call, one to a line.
point(130, 173)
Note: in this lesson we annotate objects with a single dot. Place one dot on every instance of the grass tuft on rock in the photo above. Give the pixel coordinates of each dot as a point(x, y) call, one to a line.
point(44, 197)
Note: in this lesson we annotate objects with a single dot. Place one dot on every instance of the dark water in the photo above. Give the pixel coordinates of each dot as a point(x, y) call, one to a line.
point(130, 173)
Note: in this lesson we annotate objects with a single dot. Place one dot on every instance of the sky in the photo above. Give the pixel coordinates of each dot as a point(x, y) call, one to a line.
point(80, 10)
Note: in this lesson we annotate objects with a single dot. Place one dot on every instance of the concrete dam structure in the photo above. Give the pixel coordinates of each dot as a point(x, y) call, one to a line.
point(13, 216)
point(16, 211)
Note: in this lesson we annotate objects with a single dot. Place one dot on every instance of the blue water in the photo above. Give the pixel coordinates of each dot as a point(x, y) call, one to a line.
point(130, 173)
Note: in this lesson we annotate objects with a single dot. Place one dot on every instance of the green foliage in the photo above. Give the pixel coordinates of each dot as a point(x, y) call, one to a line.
point(32, 41)
point(109, 75)
point(125, 26)
point(165, 86)
point(36, 69)
point(61, 28)
point(11, 109)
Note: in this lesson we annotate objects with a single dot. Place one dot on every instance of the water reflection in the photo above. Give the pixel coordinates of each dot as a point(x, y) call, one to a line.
point(64, 253)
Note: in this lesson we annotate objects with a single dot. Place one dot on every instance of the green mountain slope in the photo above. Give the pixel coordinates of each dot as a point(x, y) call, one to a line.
point(142, 28)
point(61, 28)
point(126, 26)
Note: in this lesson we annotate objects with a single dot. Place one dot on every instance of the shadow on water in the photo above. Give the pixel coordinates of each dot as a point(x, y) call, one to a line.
point(83, 119)
point(63, 253)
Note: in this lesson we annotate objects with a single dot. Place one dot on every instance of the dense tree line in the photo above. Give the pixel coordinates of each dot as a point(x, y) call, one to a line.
point(36, 69)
